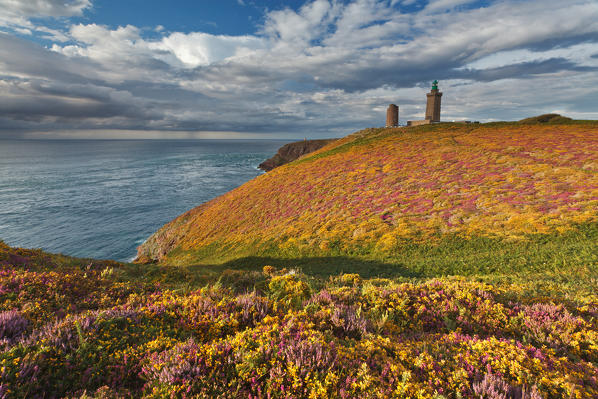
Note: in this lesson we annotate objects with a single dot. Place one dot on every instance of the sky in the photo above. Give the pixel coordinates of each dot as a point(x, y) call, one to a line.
point(287, 69)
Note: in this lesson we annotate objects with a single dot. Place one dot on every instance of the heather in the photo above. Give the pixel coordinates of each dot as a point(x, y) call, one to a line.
point(449, 261)
point(280, 333)
point(380, 192)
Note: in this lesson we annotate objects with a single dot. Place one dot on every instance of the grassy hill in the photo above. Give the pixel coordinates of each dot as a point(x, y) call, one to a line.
point(443, 262)
point(440, 199)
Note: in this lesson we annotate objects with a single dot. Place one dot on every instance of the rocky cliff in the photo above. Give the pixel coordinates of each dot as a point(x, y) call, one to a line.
point(292, 151)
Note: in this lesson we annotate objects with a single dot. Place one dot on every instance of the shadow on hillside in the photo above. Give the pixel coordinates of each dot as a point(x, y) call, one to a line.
point(324, 266)
point(198, 275)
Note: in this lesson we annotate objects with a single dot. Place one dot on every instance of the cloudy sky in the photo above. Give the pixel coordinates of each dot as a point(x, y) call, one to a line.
point(288, 69)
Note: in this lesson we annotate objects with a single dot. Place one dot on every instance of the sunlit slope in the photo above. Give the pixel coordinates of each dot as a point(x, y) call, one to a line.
point(370, 193)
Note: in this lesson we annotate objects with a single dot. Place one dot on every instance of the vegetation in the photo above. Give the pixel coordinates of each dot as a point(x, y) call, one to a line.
point(75, 328)
point(445, 261)
point(378, 193)
point(547, 118)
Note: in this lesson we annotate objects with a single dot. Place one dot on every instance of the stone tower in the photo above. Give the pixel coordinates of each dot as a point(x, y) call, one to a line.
point(392, 116)
point(433, 105)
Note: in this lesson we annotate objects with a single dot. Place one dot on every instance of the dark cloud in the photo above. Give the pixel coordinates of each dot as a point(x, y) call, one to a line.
point(556, 42)
point(20, 57)
point(522, 70)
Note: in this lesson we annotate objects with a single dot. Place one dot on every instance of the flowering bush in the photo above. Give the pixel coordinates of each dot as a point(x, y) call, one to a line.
point(351, 338)
point(494, 387)
point(288, 290)
point(12, 326)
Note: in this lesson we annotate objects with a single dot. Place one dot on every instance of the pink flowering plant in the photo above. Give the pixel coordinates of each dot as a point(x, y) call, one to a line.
point(290, 336)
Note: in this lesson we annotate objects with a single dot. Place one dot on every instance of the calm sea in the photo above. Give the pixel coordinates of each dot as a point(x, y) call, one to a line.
point(102, 198)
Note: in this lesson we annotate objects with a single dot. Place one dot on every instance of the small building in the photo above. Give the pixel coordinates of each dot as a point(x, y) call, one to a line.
point(392, 116)
point(419, 122)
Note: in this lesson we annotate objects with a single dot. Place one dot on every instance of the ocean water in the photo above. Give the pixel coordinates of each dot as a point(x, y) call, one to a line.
point(102, 198)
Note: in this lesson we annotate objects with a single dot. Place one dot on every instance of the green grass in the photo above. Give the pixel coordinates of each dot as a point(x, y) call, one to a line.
point(557, 265)
point(449, 255)
point(552, 265)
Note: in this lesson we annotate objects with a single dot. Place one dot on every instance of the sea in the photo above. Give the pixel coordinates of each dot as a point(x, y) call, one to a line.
point(103, 198)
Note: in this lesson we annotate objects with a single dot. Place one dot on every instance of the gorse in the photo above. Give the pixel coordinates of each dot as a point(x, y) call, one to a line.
point(368, 194)
point(288, 336)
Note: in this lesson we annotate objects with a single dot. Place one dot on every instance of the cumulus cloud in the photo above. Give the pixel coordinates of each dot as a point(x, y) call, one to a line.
point(196, 49)
point(323, 69)
point(288, 28)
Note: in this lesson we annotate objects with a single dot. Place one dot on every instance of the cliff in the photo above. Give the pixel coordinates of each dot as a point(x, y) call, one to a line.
point(380, 193)
point(292, 151)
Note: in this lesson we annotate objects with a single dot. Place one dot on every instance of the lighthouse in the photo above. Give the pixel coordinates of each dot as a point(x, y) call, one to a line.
point(433, 105)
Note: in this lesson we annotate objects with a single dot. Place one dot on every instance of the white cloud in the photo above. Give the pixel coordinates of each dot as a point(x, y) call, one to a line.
point(15, 15)
point(23, 31)
point(125, 44)
point(443, 5)
point(581, 54)
point(288, 28)
point(121, 52)
point(196, 49)
point(367, 24)
point(23, 9)
point(43, 8)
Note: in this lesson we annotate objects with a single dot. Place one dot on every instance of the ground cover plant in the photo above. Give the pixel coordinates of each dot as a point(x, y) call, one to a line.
point(279, 333)
point(375, 193)
point(449, 261)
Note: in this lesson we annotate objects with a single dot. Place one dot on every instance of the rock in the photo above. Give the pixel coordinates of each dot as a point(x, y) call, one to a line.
point(289, 152)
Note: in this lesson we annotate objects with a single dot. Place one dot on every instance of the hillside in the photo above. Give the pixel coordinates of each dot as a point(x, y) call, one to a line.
point(387, 194)
point(292, 151)
point(81, 328)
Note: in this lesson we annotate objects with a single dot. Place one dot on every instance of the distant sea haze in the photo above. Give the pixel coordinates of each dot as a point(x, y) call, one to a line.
point(102, 198)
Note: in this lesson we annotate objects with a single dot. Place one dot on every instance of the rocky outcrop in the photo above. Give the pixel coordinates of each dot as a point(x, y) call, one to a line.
point(289, 152)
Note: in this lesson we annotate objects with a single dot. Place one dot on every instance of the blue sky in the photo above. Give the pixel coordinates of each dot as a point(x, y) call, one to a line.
point(217, 17)
point(317, 68)
point(228, 17)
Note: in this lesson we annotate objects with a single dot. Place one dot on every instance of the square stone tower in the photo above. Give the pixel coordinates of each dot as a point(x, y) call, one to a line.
point(392, 116)
point(433, 105)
